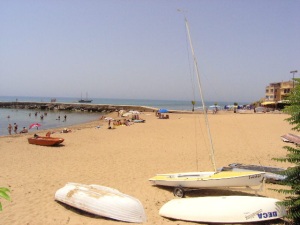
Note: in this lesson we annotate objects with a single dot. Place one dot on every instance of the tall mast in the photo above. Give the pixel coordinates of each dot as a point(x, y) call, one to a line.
point(212, 155)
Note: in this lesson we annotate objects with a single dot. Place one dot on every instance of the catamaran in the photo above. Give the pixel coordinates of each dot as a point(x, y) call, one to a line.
point(211, 179)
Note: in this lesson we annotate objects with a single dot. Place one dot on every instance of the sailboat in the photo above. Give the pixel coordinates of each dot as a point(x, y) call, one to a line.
point(210, 179)
point(86, 100)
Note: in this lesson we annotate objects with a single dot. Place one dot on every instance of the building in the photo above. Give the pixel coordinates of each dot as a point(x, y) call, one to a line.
point(277, 92)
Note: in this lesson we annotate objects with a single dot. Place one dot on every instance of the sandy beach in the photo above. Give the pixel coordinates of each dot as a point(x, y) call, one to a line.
point(126, 157)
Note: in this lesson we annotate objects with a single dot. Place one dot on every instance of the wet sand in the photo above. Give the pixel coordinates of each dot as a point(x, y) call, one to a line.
point(126, 157)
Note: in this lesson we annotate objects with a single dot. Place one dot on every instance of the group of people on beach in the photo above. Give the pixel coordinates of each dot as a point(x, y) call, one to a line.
point(10, 127)
point(162, 115)
point(112, 123)
point(15, 128)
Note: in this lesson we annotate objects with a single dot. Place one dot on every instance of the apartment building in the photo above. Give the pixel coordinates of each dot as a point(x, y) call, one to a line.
point(276, 92)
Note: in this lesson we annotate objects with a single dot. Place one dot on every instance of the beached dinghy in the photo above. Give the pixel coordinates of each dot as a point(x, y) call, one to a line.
point(223, 209)
point(102, 201)
point(209, 179)
point(271, 175)
point(45, 141)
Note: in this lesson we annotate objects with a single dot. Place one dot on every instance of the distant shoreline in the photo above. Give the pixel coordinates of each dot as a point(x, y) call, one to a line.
point(74, 106)
point(165, 104)
point(92, 107)
point(53, 109)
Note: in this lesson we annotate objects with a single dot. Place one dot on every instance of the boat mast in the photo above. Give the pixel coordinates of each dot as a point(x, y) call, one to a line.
point(212, 156)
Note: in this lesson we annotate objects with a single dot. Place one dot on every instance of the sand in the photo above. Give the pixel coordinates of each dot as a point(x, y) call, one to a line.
point(126, 157)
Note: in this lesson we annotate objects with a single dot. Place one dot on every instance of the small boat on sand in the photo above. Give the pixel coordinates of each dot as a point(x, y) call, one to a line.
point(223, 209)
point(272, 173)
point(45, 141)
point(102, 201)
point(209, 179)
point(292, 138)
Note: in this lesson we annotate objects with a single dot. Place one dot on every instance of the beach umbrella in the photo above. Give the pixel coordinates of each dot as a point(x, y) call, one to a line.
point(163, 111)
point(34, 125)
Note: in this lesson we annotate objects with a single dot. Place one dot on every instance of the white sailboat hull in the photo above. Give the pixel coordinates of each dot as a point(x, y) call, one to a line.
point(102, 201)
point(223, 209)
point(209, 179)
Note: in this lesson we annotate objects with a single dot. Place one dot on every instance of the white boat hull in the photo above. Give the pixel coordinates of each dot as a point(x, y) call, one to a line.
point(223, 209)
point(271, 175)
point(102, 201)
point(209, 179)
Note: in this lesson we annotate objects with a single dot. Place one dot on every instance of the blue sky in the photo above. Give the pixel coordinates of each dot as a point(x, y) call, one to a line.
point(138, 49)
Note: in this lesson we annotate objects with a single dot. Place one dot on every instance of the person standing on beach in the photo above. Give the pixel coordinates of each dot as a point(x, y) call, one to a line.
point(110, 124)
point(9, 128)
point(15, 128)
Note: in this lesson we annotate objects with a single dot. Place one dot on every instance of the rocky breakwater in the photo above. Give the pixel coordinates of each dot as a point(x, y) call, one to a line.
point(37, 106)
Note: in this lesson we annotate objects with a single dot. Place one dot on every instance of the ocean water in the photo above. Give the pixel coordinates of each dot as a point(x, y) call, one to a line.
point(22, 118)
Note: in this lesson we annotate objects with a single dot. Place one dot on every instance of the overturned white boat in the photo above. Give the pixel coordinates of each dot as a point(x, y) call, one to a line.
point(223, 209)
point(102, 201)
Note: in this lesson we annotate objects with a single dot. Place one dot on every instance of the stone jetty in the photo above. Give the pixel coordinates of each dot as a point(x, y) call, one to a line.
point(87, 107)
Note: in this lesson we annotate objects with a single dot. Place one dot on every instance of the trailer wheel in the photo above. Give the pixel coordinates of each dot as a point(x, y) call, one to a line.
point(179, 192)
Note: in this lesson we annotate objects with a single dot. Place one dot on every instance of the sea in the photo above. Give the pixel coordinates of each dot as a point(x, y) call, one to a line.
point(25, 117)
